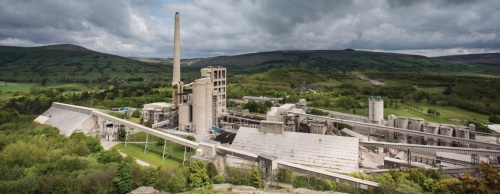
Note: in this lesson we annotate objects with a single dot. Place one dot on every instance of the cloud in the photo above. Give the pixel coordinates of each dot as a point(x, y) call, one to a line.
point(228, 27)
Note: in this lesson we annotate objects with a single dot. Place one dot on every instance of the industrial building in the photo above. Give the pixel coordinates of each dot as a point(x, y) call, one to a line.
point(195, 106)
point(287, 138)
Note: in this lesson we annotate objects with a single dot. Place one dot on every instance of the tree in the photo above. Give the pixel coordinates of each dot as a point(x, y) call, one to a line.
point(123, 178)
point(211, 170)
point(93, 144)
point(136, 114)
point(149, 176)
point(494, 119)
point(177, 183)
point(198, 176)
point(431, 111)
point(408, 187)
point(255, 179)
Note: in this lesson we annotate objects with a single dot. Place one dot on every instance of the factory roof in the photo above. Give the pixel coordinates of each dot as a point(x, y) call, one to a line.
point(495, 128)
point(65, 120)
point(261, 98)
point(338, 154)
point(459, 157)
point(354, 134)
point(157, 106)
point(404, 162)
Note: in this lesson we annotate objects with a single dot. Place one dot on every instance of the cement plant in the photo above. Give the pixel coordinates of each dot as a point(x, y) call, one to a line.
point(288, 136)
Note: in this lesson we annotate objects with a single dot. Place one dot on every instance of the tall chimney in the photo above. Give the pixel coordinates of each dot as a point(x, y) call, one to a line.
point(177, 51)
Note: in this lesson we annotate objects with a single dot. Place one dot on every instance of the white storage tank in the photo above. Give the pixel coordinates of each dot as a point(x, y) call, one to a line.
point(202, 105)
point(376, 110)
point(402, 122)
point(184, 116)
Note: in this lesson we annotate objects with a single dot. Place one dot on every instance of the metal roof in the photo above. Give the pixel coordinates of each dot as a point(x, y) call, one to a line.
point(338, 154)
point(66, 120)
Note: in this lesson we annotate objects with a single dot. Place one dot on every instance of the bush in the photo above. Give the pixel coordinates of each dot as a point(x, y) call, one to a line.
point(198, 175)
point(284, 176)
point(123, 179)
point(136, 114)
point(238, 176)
point(177, 183)
point(217, 179)
point(211, 170)
point(300, 182)
point(108, 156)
point(255, 179)
point(93, 144)
point(314, 183)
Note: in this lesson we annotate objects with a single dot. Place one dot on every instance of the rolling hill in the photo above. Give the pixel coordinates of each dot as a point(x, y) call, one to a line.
point(485, 58)
point(345, 61)
point(71, 63)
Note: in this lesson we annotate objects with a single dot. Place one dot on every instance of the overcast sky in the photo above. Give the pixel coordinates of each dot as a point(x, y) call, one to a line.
point(229, 27)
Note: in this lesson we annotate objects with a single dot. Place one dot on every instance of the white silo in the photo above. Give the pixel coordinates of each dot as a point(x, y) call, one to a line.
point(376, 110)
point(202, 105)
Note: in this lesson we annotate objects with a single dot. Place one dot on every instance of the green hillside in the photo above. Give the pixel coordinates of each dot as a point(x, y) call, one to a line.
point(483, 58)
point(70, 63)
point(345, 61)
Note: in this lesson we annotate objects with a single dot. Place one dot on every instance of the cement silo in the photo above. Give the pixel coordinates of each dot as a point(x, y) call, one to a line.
point(185, 117)
point(376, 110)
point(432, 128)
point(202, 105)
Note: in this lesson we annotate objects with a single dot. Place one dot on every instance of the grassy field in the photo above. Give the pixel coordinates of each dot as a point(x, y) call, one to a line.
point(154, 155)
point(447, 113)
point(9, 89)
point(435, 90)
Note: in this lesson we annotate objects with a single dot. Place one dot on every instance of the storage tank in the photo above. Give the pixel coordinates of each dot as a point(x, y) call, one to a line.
point(402, 122)
point(376, 110)
point(317, 128)
point(184, 116)
point(391, 119)
point(202, 105)
point(433, 128)
point(416, 124)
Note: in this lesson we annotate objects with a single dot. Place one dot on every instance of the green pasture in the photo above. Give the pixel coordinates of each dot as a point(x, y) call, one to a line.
point(154, 155)
point(8, 89)
point(447, 113)
point(433, 90)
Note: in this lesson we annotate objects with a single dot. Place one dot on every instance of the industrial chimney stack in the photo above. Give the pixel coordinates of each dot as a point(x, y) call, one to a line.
point(177, 85)
point(177, 50)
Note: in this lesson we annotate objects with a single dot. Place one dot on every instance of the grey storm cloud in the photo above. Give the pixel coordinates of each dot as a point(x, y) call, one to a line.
point(228, 27)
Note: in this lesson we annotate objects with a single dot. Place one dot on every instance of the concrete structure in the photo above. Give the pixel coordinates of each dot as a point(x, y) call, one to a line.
point(177, 85)
point(218, 77)
point(67, 119)
point(157, 112)
point(202, 105)
point(195, 106)
point(247, 99)
point(376, 110)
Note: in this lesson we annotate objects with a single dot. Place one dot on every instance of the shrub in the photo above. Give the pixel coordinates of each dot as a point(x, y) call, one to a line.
point(217, 179)
point(300, 182)
point(211, 170)
point(238, 176)
point(284, 176)
point(123, 179)
point(198, 175)
point(255, 179)
point(177, 183)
